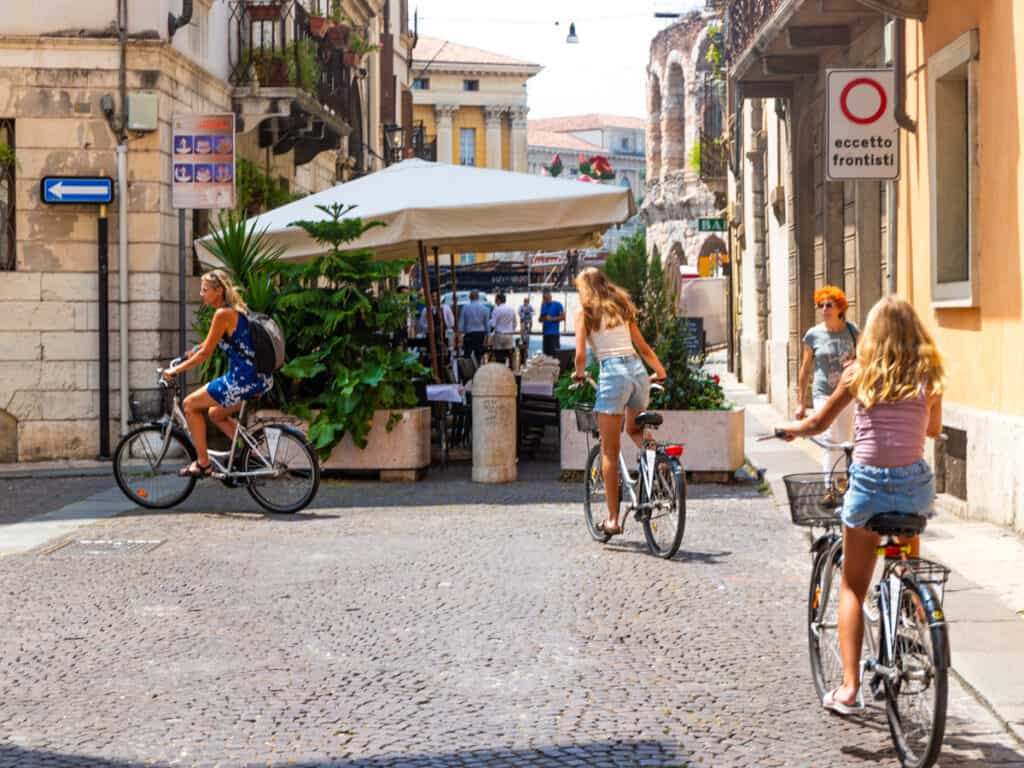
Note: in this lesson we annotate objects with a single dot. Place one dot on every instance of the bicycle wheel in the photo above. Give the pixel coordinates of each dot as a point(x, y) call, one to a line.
point(916, 699)
point(823, 620)
point(595, 505)
point(666, 521)
point(146, 469)
point(296, 477)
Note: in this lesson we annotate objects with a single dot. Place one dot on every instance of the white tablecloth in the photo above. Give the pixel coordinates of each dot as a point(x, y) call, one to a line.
point(542, 388)
point(445, 393)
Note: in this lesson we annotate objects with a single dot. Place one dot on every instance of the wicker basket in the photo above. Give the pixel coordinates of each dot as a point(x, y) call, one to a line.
point(814, 500)
point(148, 404)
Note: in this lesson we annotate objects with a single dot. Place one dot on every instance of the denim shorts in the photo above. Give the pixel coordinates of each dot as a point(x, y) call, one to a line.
point(909, 490)
point(623, 383)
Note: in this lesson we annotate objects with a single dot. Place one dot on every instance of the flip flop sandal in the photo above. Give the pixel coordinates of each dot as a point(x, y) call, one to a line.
point(607, 530)
point(201, 470)
point(829, 702)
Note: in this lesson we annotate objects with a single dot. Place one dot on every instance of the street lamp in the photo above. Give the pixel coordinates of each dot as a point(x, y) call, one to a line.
point(571, 37)
point(394, 137)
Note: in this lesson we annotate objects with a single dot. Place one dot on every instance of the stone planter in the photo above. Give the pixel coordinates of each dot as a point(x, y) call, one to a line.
point(397, 454)
point(713, 440)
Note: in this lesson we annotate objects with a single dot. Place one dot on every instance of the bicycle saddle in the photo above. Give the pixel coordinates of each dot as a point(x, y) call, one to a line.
point(647, 419)
point(896, 524)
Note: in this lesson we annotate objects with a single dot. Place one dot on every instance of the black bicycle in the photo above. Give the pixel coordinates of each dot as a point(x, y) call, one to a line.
point(905, 660)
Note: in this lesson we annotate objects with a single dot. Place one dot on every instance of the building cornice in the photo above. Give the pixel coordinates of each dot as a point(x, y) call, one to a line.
point(424, 68)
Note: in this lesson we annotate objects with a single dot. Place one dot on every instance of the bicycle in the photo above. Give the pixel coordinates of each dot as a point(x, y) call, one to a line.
point(906, 657)
point(656, 491)
point(273, 461)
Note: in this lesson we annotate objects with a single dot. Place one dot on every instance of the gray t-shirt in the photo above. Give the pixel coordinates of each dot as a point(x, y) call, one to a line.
point(831, 349)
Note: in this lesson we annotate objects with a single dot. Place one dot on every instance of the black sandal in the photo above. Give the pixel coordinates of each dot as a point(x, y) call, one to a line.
point(201, 470)
point(607, 530)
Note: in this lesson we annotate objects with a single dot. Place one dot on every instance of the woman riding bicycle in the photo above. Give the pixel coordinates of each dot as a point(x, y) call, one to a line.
point(223, 396)
point(897, 383)
point(607, 320)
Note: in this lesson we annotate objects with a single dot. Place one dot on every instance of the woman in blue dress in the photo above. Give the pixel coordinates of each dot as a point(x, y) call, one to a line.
point(222, 397)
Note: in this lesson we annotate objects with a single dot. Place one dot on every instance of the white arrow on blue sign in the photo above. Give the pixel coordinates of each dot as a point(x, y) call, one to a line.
point(57, 190)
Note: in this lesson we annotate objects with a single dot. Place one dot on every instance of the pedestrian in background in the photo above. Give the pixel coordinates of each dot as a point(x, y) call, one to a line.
point(473, 320)
point(552, 313)
point(525, 322)
point(829, 347)
point(503, 324)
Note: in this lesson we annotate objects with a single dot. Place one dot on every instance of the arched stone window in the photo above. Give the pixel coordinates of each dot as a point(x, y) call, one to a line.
point(673, 116)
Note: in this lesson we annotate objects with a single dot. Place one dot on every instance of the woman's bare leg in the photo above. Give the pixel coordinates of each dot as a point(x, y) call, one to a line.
point(196, 406)
point(224, 418)
point(633, 429)
point(859, 557)
point(610, 427)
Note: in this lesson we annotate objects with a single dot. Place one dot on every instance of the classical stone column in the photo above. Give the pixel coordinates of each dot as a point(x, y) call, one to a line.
point(520, 145)
point(443, 114)
point(492, 121)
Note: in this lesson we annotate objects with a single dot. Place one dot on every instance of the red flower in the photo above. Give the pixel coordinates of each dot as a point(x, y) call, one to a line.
point(600, 165)
point(717, 380)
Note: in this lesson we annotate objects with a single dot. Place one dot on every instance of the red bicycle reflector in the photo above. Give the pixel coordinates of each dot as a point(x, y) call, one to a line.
point(675, 451)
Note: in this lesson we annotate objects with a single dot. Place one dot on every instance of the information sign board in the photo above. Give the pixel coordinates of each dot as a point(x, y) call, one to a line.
point(203, 151)
point(863, 136)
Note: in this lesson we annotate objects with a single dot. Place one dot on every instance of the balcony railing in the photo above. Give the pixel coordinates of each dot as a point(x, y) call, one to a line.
point(272, 44)
point(745, 18)
point(714, 157)
point(422, 147)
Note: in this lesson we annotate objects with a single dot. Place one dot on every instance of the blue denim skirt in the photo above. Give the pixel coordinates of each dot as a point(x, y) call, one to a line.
point(873, 491)
point(623, 383)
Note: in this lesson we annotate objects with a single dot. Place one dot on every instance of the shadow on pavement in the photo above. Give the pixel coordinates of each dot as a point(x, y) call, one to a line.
point(615, 753)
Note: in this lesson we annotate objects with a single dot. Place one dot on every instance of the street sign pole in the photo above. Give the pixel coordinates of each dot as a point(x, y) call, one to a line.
point(103, 241)
point(181, 298)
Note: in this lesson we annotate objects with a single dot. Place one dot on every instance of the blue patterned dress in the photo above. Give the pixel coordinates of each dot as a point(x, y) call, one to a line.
point(242, 381)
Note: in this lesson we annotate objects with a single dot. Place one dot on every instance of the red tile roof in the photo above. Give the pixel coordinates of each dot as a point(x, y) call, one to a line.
point(588, 123)
point(447, 52)
point(554, 140)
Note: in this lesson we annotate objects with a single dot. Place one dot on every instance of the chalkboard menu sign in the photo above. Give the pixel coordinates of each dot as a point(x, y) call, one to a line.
point(693, 334)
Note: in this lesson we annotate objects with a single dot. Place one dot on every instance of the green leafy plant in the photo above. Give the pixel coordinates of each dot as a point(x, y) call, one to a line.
point(714, 52)
point(688, 387)
point(258, 192)
point(569, 397)
point(644, 279)
point(8, 159)
point(656, 313)
point(360, 47)
point(338, 316)
point(337, 14)
point(693, 159)
point(303, 59)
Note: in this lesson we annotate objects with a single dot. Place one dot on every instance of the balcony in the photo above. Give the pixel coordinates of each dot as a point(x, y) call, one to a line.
point(771, 43)
point(714, 157)
point(290, 77)
point(422, 147)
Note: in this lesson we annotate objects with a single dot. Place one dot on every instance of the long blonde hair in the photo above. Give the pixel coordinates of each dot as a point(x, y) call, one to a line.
point(604, 304)
point(232, 297)
point(896, 356)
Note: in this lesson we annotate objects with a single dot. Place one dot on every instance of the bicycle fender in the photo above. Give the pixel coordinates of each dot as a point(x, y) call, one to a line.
point(821, 543)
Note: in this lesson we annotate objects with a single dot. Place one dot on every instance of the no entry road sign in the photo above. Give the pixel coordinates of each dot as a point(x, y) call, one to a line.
point(863, 137)
point(76, 190)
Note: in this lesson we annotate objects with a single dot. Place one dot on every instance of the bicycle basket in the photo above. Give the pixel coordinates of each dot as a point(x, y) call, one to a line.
point(148, 404)
point(929, 572)
point(586, 420)
point(813, 500)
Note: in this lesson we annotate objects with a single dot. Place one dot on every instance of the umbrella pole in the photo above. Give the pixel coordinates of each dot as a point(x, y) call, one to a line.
point(443, 331)
point(428, 297)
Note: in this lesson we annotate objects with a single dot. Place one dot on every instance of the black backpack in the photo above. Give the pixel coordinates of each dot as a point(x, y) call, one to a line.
point(267, 343)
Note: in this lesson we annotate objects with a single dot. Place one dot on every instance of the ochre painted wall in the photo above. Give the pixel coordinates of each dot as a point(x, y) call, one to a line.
point(982, 344)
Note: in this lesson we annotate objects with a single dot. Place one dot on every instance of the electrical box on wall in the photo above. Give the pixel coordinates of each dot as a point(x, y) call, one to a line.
point(142, 111)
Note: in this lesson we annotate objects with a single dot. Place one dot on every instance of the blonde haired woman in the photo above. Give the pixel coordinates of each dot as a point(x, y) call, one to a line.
point(607, 321)
point(896, 383)
point(223, 396)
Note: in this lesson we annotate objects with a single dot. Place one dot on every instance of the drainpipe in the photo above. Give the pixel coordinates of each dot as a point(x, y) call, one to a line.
point(174, 23)
point(122, 216)
point(899, 57)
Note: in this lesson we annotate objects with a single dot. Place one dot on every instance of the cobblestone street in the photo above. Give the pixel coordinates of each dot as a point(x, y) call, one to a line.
point(436, 624)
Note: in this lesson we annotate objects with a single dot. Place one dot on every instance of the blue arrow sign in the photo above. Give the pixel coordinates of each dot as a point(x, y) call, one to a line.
point(65, 190)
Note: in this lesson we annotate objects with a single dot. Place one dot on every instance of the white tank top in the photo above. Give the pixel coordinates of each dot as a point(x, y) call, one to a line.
point(612, 342)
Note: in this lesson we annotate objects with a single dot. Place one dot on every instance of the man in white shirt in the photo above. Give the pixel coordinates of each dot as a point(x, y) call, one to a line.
point(503, 324)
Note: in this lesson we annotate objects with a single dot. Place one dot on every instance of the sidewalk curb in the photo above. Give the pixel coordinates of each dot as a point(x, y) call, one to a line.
point(25, 471)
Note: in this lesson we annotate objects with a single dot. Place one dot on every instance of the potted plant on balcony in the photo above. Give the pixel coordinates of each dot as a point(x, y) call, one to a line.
point(265, 10)
point(357, 48)
point(344, 377)
point(269, 67)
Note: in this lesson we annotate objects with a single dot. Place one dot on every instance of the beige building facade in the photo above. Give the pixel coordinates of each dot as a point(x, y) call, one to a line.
point(60, 110)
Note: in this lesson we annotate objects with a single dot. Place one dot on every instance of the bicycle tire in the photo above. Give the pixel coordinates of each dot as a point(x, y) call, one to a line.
point(594, 494)
point(669, 489)
point(131, 483)
point(823, 610)
point(921, 649)
point(306, 471)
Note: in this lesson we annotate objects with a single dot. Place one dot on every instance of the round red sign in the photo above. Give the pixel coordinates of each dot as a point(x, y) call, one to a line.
point(882, 101)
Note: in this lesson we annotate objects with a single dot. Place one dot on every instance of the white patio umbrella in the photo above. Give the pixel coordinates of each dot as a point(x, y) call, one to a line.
point(456, 209)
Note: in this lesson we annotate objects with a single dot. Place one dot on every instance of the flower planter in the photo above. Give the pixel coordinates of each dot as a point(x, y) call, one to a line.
point(265, 12)
point(271, 71)
point(319, 25)
point(405, 449)
point(351, 59)
point(713, 440)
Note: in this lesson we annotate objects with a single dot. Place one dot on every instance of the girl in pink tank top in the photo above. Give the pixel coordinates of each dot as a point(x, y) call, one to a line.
point(897, 384)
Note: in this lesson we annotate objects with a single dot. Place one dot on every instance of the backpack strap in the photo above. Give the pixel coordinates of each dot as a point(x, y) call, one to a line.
point(233, 344)
point(853, 335)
